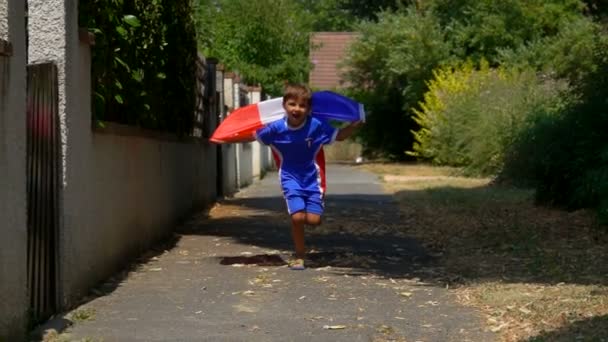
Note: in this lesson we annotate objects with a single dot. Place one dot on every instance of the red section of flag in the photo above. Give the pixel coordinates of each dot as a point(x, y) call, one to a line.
point(239, 126)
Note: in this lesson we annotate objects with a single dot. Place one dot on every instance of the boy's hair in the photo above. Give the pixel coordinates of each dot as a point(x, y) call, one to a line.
point(297, 91)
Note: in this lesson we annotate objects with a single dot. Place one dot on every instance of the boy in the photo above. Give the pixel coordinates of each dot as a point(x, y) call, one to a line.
point(296, 140)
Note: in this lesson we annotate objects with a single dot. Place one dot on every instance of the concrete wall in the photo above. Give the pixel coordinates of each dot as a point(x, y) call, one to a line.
point(141, 185)
point(229, 165)
point(13, 215)
point(126, 189)
point(257, 170)
point(343, 151)
point(244, 154)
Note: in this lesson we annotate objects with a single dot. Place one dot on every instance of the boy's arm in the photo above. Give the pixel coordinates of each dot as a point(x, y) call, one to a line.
point(347, 131)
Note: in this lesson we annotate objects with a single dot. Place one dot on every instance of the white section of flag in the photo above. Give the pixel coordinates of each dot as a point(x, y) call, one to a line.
point(271, 110)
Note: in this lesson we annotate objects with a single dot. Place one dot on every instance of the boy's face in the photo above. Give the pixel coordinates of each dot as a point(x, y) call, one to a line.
point(297, 110)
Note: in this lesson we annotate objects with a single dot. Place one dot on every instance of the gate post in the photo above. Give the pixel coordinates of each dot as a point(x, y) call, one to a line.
point(13, 227)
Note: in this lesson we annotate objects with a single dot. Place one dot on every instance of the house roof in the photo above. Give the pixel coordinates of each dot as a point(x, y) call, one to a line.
point(327, 52)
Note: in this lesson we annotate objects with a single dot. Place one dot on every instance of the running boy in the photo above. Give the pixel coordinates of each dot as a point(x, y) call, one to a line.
point(296, 140)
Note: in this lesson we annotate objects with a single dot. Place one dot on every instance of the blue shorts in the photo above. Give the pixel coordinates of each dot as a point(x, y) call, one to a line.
point(311, 204)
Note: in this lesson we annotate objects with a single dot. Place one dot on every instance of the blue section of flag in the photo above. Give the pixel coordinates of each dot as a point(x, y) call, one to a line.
point(327, 105)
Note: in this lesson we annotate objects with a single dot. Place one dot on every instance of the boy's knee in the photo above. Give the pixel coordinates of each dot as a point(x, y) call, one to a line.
point(313, 219)
point(299, 217)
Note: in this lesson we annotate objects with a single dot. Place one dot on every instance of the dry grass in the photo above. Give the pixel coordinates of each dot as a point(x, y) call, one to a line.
point(409, 169)
point(539, 274)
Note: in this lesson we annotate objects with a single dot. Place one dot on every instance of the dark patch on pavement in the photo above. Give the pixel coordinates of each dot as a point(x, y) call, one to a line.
point(259, 260)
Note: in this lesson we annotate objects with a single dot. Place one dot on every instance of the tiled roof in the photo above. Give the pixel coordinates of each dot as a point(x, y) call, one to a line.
point(327, 52)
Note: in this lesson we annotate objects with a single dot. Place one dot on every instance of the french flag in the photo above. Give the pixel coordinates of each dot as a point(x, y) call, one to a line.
point(241, 124)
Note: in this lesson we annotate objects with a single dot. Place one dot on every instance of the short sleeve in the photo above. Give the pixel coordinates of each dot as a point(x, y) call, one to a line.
point(328, 133)
point(265, 135)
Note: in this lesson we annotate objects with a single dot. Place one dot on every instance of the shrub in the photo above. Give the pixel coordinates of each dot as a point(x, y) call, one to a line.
point(470, 116)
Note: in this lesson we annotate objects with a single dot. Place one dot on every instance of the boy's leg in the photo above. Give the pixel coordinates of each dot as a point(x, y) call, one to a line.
point(297, 233)
point(314, 209)
point(296, 208)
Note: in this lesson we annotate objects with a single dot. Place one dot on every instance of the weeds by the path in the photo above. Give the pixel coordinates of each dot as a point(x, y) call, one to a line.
point(539, 274)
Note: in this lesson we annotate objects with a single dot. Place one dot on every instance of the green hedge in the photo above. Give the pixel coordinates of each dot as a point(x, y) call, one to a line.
point(143, 62)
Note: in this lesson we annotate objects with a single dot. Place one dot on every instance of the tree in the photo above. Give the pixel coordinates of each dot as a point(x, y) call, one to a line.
point(479, 29)
point(388, 67)
point(328, 15)
point(368, 10)
point(266, 41)
point(343, 15)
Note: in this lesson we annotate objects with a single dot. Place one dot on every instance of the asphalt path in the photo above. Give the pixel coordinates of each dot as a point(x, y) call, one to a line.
point(223, 277)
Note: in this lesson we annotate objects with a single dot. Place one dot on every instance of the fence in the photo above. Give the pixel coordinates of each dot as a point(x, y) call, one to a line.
point(199, 110)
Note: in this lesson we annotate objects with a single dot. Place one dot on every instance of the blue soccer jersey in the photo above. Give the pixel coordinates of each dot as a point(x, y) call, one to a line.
point(297, 149)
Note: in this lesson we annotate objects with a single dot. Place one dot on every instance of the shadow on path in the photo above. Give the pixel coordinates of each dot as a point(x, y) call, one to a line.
point(358, 235)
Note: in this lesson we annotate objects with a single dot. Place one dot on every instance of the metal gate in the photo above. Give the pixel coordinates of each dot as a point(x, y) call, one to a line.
point(42, 188)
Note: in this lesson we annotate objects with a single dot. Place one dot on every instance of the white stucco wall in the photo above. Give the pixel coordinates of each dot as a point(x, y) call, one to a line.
point(52, 27)
point(13, 215)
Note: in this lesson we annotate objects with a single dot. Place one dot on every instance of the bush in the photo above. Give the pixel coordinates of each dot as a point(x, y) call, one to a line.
point(471, 116)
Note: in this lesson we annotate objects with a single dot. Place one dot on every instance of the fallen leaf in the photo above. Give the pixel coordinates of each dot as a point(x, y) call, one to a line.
point(385, 329)
point(334, 327)
point(499, 328)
